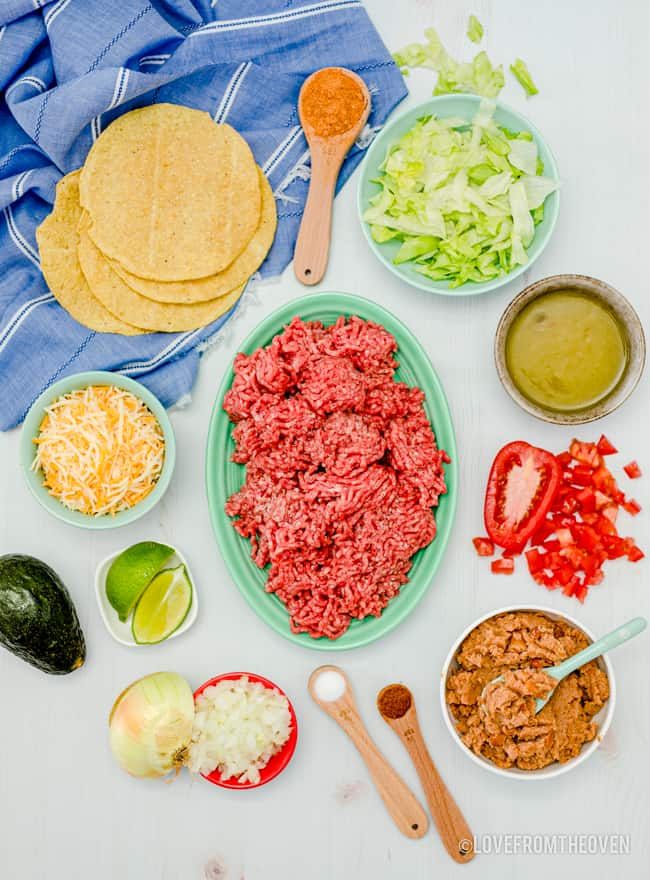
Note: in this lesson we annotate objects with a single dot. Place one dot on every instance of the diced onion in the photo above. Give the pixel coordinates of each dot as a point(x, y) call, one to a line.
point(238, 726)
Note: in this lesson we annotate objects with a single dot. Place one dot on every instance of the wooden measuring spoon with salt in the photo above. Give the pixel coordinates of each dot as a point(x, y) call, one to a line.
point(330, 689)
point(333, 105)
point(397, 708)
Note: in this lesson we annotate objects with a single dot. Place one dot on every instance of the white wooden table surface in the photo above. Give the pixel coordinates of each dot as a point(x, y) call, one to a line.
point(68, 813)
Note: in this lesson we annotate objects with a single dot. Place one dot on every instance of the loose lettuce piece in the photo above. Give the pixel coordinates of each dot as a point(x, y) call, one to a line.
point(462, 200)
point(522, 74)
point(523, 226)
point(523, 155)
point(381, 233)
point(474, 29)
point(538, 189)
point(416, 247)
point(479, 77)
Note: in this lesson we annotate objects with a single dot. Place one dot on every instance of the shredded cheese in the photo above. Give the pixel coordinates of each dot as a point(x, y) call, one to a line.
point(101, 450)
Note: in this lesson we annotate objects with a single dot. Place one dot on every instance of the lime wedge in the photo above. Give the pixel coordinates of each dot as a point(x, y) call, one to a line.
point(131, 573)
point(163, 606)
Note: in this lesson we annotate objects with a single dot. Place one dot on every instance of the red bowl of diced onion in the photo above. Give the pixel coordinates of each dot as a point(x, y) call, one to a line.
point(278, 761)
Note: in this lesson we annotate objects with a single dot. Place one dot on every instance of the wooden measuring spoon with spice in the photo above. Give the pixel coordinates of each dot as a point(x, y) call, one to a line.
point(397, 708)
point(330, 689)
point(333, 105)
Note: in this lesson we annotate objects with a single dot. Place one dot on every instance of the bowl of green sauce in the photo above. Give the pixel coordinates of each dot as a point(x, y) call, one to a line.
point(569, 349)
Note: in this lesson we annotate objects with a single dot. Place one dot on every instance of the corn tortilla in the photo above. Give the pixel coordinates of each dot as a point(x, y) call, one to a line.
point(201, 289)
point(119, 298)
point(171, 194)
point(57, 239)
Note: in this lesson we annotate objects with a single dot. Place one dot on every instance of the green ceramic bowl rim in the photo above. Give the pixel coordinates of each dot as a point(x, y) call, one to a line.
point(380, 144)
point(28, 450)
point(236, 550)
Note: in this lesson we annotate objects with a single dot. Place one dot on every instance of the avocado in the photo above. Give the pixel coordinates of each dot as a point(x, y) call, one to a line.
point(38, 621)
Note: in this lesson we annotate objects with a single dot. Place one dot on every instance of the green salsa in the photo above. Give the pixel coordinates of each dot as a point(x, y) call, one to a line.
point(566, 350)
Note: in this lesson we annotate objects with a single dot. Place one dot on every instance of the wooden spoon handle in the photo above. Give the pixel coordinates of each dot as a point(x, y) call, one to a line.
point(398, 799)
point(454, 831)
point(313, 244)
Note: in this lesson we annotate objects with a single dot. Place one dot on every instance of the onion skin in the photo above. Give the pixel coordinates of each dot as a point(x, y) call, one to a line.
point(151, 725)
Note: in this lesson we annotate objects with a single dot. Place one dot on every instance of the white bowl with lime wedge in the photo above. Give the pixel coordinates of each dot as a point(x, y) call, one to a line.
point(146, 594)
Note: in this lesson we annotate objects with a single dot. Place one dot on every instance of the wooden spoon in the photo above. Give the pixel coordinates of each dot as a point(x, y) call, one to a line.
point(452, 827)
point(327, 155)
point(400, 802)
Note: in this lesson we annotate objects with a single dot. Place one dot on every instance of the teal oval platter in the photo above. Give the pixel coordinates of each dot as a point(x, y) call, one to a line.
point(223, 477)
point(31, 428)
point(465, 107)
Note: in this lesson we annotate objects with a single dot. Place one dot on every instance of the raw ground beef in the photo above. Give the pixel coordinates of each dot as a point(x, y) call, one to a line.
point(342, 470)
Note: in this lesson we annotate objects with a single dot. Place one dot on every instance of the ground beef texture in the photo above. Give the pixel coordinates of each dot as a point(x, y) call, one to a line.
point(342, 470)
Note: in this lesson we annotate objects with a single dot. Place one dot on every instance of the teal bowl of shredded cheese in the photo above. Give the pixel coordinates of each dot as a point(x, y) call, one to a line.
point(97, 450)
point(458, 195)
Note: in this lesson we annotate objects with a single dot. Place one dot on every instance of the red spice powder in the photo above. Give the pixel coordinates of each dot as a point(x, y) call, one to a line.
point(331, 102)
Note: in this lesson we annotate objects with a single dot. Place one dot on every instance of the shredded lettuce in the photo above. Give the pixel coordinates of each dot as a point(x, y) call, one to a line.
point(474, 29)
point(522, 73)
point(462, 199)
point(479, 77)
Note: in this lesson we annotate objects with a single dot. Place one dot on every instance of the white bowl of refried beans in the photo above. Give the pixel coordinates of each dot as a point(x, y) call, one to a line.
point(517, 743)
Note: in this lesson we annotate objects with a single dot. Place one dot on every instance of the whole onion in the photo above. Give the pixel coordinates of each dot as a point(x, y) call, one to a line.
point(151, 725)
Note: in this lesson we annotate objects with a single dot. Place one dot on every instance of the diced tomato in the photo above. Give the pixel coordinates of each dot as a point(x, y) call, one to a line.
point(601, 499)
point(635, 553)
point(503, 566)
point(614, 546)
point(484, 547)
point(521, 487)
point(570, 588)
point(590, 564)
point(569, 504)
point(586, 500)
point(586, 453)
point(604, 527)
point(586, 537)
point(575, 537)
point(610, 512)
point(605, 447)
point(564, 537)
point(581, 475)
point(603, 480)
point(545, 529)
point(632, 470)
point(535, 560)
point(564, 574)
point(573, 555)
point(562, 521)
point(552, 546)
point(581, 593)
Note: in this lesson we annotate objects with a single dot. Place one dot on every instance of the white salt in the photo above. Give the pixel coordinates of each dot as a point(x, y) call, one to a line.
point(329, 685)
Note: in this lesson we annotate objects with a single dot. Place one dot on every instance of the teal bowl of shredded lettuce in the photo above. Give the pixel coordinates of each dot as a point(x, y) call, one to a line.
point(458, 195)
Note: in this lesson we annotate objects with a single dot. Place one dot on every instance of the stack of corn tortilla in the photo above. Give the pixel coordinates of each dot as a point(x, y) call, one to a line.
point(162, 227)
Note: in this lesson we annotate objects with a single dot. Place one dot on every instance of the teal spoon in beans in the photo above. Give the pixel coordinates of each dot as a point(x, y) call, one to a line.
point(544, 681)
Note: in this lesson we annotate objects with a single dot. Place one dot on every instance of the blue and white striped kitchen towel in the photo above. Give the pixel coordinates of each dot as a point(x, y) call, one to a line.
point(69, 67)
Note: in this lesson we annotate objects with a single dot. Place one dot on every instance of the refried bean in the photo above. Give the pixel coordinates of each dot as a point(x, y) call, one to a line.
point(511, 700)
point(331, 102)
point(518, 737)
